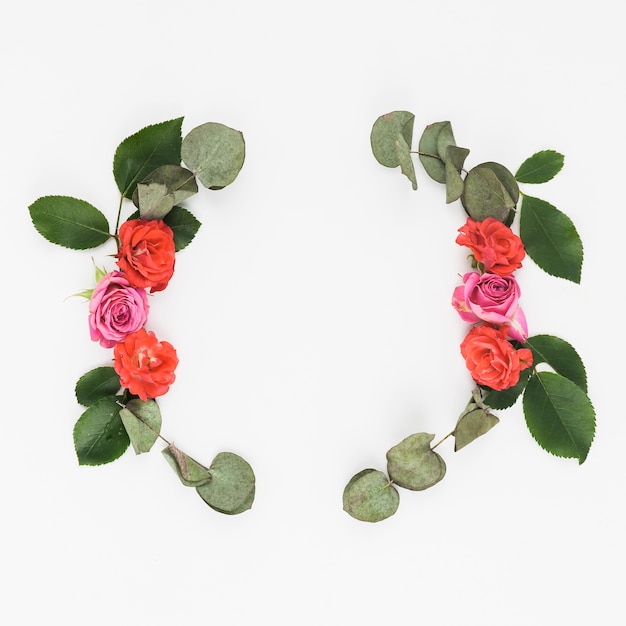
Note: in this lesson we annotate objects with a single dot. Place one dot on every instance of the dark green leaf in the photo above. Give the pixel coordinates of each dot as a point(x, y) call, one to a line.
point(184, 226)
point(429, 155)
point(370, 496)
point(559, 415)
point(232, 485)
point(413, 465)
point(550, 239)
point(162, 189)
point(507, 397)
point(540, 167)
point(189, 471)
point(560, 356)
point(485, 196)
point(99, 435)
point(142, 421)
point(471, 425)
point(215, 153)
point(69, 222)
point(96, 384)
point(140, 154)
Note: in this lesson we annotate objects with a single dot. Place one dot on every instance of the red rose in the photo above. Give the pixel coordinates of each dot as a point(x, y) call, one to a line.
point(145, 365)
point(146, 253)
point(493, 244)
point(491, 359)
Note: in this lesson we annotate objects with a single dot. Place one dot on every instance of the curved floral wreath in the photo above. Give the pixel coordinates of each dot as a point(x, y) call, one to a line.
point(502, 359)
point(120, 400)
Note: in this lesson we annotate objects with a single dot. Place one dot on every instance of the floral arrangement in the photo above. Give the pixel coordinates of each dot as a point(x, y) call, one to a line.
point(503, 361)
point(120, 399)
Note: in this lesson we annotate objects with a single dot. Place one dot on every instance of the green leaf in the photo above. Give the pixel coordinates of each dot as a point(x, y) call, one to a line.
point(540, 167)
point(391, 138)
point(471, 425)
point(96, 384)
point(505, 177)
point(99, 435)
point(559, 415)
point(413, 465)
point(215, 153)
point(507, 397)
point(162, 189)
point(551, 239)
point(560, 356)
point(429, 154)
point(69, 222)
point(184, 226)
point(189, 471)
point(232, 485)
point(142, 421)
point(140, 154)
point(370, 496)
point(485, 196)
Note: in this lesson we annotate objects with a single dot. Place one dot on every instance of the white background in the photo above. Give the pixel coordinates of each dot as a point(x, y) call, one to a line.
point(311, 315)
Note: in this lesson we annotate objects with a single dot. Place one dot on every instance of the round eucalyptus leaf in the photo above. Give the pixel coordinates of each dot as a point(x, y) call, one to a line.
point(485, 196)
point(189, 471)
point(429, 154)
point(162, 189)
point(472, 425)
point(370, 496)
point(232, 485)
point(215, 153)
point(413, 465)
point(142, 421)
point(505, 177)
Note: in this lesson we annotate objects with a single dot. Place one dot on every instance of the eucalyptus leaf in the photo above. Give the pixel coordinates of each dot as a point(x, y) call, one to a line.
point(445, 140)
point(560, 356)
point(412, 463)
point(142, 421)
point(232, 485)
point(429, 155)
point(551, 239)
point(215, 153)
point(471, 425)
point(406, 162)
point(162, 189)
point(370, 496)
point(99, 435)
point(485, 196)
point(540, 167)
point(96, 384)
point(559, 415)
point(69, 222)
point(505, 177)
point(189, 471)
point(140, 154)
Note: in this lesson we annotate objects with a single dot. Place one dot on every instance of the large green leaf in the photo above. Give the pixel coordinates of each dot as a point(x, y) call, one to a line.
point(370, 496)
point(99, 435)
point(140, 154)
point(69, 222)
point(560, 356)
point(142, 421)
point(412, 463)
point(559, 415)
point(540, 167)
point(96, 384)
point(551, 239)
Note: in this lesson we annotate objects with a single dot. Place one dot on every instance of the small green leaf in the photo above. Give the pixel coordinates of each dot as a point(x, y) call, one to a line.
point(215, 153)
point(69, 222)
point(96, 384)
point(232, 485)
point(507, 397)
point(370, 496)
point(540, 167)
point(560, 356)
point(162, 189)
point(189, 471)
point(559, 415)
point(140, 154)
point(391, 139)
point(485, 196)
point(412, 463)
point(471, 425)
point(184, 226)
point(551, 239)
point(429, 154)
point(142, 421)
point(99, 435)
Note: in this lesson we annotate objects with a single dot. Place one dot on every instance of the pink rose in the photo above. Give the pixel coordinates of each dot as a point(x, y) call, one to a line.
point(491, 298)
point(116, 309)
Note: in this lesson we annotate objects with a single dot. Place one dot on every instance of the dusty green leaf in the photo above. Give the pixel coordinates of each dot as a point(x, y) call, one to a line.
point(162, 189)
point(215, 153)
point(232, 485)
point(485, 196)
point(370, 496)
point(142, 421)
point(429, 154)
point(406, 162)
point(471, 425)
point(96, 384)
point(189, 471)
point(540, 167)
point(412, 463)
point(505, 177)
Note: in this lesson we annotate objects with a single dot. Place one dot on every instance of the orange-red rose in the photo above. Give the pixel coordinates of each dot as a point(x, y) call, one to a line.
point(491, 359)
point(145, 365)
point(146, 253)
point(493, 244)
